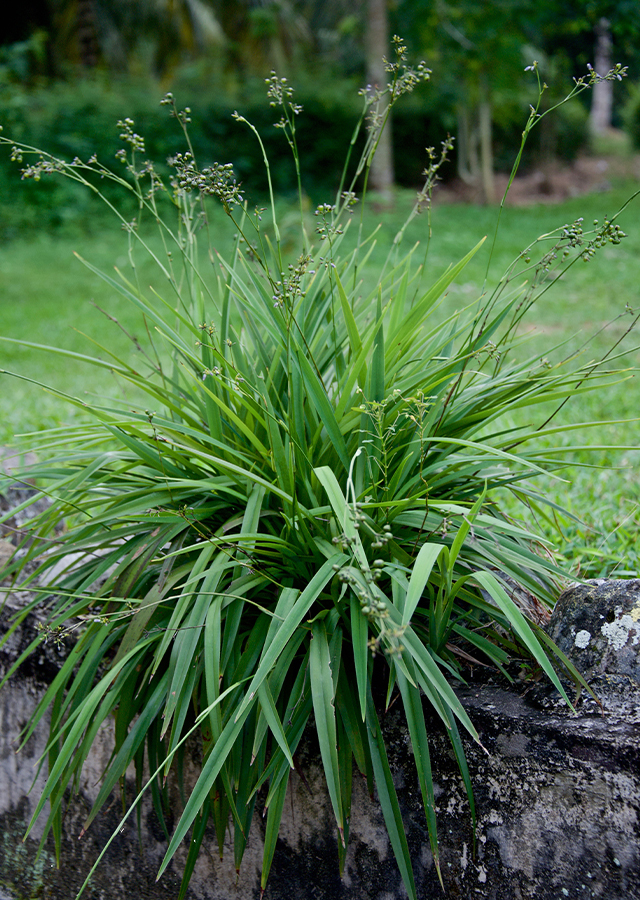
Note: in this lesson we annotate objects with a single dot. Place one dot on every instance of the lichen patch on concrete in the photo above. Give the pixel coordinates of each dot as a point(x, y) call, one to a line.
point(618, 632)
point(582, 639)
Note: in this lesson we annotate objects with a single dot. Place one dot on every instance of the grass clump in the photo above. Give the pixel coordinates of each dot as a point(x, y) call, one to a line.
point(309, 499)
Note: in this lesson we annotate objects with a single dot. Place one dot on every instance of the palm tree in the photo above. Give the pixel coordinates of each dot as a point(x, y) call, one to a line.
point(111, 32)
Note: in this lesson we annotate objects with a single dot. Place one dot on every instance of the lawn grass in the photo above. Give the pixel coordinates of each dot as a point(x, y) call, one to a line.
point(49, 297)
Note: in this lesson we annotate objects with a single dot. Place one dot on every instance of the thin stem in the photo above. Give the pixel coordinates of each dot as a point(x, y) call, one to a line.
point(265, 159)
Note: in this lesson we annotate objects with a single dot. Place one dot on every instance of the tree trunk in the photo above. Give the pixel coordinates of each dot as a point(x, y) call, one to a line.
point(486, 144)
point(475, 147)
point(377, 44)
point(602, 96)
point(466, 146)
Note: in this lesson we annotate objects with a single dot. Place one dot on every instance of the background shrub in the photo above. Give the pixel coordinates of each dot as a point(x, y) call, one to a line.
point(79, 118)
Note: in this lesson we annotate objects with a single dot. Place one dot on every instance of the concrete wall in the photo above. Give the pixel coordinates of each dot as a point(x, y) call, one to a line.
point(557, 798)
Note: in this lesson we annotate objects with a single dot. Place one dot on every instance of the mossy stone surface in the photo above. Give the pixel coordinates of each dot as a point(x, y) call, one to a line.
point(597, 625)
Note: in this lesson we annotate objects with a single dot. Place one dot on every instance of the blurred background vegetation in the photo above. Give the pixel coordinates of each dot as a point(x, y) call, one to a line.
point(69, 69)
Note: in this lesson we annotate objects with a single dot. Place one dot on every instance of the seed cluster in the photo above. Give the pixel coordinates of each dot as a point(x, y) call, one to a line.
point(129, 135)
point(405, 78)
point(430, 174)
point(326, 227)
point(289, 290)
point(217, 180)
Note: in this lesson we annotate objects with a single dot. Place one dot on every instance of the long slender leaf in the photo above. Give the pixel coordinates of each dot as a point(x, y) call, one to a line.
point(322, 692)
point(389, 800)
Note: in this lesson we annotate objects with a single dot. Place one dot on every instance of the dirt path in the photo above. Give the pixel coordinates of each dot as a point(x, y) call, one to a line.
point(551, 183)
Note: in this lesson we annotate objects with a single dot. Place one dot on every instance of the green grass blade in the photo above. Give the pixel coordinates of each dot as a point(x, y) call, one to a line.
point(377, 385)
point(286, 629)
point(136, 736)
point(465, 527)
point(389, 800)
point(199, 832)
point(420, 574)
point(414, 713)
point(322, 693)
point(274, 817)
point(210, 771)
point(345, 769)
point(360, 643)
point(521, 627)
point(318, 396)
point(414, 318)
point(273, 720)
point(458, 749)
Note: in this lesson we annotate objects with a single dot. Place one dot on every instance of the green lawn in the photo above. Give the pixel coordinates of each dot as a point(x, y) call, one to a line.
point(48, 297)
